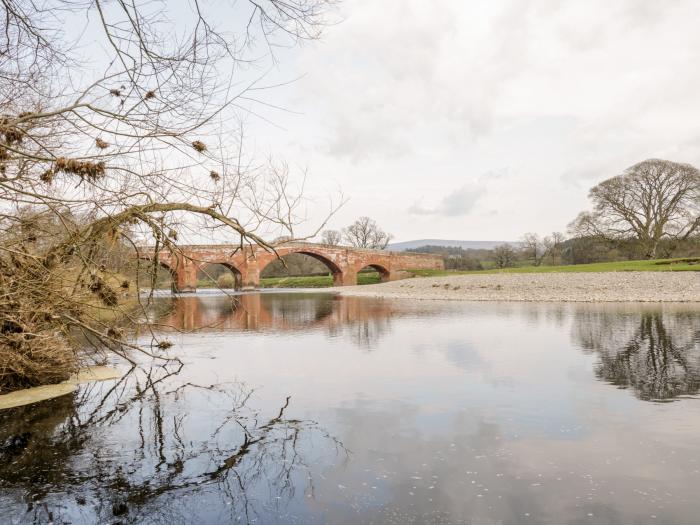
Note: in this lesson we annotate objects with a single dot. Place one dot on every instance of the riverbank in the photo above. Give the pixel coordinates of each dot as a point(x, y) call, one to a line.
point(27, 396)
point(555, 287)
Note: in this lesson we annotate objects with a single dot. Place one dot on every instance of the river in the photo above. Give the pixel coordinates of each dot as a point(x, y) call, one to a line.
point(315, 408)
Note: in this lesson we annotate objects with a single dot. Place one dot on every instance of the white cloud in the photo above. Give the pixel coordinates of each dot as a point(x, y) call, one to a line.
point(404, 96)
point(458, 202)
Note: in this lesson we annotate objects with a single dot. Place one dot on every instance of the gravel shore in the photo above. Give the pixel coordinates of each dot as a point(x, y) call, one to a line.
point(559, 287)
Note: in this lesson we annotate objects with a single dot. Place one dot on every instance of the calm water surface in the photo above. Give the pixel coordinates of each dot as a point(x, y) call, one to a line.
point(313, 408)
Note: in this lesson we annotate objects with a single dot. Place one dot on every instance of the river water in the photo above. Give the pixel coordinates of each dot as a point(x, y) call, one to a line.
point(316, 408)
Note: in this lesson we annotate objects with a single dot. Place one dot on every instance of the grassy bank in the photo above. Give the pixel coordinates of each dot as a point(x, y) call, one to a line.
point(305, 281)
point(315, 281)
point(308, 281)
point(657, 265)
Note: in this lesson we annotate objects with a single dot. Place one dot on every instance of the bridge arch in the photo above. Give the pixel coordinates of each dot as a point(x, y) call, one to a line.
point(384, 273)
point(165, 266)
point(233, 269)
point(335, 269)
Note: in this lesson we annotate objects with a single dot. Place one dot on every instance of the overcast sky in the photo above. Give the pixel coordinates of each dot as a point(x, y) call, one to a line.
point(485, 120)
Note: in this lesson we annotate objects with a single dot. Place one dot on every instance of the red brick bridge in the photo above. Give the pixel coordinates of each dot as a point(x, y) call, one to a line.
point(247, 263)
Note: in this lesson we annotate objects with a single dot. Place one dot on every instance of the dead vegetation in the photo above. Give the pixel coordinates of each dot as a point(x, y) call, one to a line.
point(53, 309)
point(91, 171)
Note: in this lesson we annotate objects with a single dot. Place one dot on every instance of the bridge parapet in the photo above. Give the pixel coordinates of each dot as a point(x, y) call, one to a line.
point(248, 262)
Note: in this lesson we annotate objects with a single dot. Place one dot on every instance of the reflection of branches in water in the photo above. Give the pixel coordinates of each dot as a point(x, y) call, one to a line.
point(276, 461)
point(655, 353)
point(136, 449)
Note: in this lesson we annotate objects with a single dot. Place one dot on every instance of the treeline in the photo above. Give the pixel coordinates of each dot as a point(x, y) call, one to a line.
point(583, 250)
point(456, 258)
point(574, 250)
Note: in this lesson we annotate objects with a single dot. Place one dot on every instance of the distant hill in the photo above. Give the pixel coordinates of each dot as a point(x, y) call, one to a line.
point(467, 245)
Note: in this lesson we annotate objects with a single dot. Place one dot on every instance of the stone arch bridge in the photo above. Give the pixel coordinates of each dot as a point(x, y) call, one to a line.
point(247, 263)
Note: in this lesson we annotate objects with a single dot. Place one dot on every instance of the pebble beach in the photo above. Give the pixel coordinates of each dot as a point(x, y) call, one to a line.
point(559, 287)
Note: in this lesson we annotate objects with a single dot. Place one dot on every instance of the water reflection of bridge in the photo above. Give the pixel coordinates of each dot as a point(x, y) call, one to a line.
point(653, 351)
point(279, 311)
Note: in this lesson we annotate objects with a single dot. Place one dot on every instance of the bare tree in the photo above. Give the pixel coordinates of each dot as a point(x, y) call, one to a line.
point(537, 249)
point(504, 256)
point(132, 146)
point(533, 248)
point(651, 201)
point(331, 237)
point(554, 246)
point(365, 233)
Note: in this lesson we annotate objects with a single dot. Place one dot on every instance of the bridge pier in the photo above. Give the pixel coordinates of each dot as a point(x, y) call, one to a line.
point(389, 276)
point(185, 276)
point(250, 285)
point(346, 278)
point(250, 276)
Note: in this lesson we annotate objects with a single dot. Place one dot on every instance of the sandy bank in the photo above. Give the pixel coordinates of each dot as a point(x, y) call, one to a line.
point(35, 394)
point(566, 287)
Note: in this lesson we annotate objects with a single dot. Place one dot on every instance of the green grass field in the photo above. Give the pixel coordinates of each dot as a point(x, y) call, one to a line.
point(308, 281)
point(314, 281)
point(657, 265)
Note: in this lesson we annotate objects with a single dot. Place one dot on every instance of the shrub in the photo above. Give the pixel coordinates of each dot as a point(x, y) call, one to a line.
point(226, 280)
point(34, 359)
